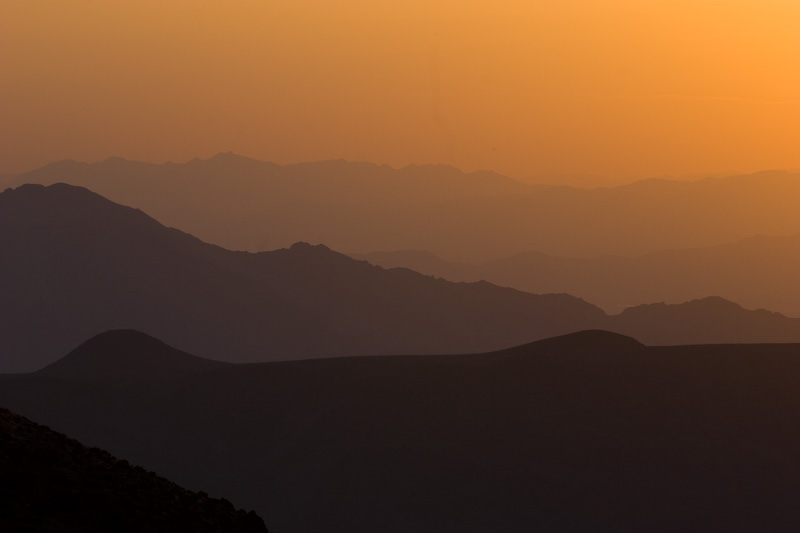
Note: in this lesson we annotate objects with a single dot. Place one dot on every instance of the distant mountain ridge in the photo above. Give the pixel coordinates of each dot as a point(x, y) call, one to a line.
point(757, 272)
point(584, 432)
point(241, 203)
point(230, 199)
point(78, 264)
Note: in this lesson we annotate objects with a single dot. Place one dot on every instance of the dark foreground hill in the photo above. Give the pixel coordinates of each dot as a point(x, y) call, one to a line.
point(588, 432)
point(126, 354)
point(52, 483)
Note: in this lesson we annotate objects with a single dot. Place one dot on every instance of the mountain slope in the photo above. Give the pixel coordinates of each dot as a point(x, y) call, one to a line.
point(77, 264)
point(591, 431)
point(698, 321)
point(53, 483)
point(126, 354)
point(241, 203)
point(758, 272)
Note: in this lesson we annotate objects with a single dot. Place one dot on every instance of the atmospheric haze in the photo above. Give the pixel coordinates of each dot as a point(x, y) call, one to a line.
point(610, 89)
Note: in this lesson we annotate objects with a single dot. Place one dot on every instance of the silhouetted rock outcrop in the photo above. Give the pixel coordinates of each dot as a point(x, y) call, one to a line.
point(49, 482)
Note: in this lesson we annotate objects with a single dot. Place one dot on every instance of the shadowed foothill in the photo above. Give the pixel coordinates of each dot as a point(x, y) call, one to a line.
point(128, 354)
point(584, 432)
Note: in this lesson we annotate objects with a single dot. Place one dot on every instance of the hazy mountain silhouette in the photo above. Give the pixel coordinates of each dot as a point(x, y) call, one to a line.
point(429, 264)
point(242, 203)
point(587, 432)
point(696, 321)
point(588, 340)
point(135, 355)
point(52, 483)
point(758, 272)
point(76, 264)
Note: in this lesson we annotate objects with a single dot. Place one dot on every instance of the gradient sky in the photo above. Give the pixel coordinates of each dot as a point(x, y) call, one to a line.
point(601, 87)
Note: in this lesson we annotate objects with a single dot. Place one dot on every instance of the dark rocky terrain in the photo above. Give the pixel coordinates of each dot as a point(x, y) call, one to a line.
point(49, 482)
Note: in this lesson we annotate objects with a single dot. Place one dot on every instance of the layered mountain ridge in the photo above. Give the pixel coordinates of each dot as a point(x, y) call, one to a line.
point(757, 272)
point(241, 203)
point(77, 264)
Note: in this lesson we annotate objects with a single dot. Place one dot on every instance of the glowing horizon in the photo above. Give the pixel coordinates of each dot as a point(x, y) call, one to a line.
point(609, 88)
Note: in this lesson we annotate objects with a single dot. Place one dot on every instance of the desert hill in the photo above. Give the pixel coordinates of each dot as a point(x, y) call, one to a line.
point(135, 355)
point(590, 431)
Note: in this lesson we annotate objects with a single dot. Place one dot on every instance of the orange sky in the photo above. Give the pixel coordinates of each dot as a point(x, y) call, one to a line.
point(605, 87)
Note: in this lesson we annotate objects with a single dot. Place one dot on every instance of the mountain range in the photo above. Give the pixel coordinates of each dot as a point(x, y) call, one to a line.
point(757, 272)
point(245, 204)
point(591, 431)
point(76, 264)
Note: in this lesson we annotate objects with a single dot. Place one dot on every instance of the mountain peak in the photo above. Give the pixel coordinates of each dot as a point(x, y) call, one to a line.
point(302, 245)
point(592, 339)
point(54, 191)
point(226, 155)
point(115, 159)
point(229, 156)
point(585, 340)
point(715, 303)
point(126, 353)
